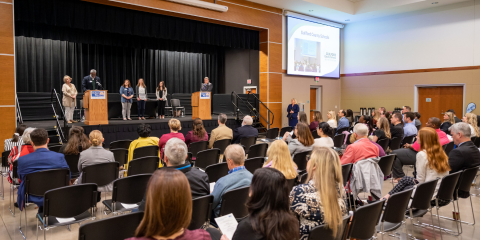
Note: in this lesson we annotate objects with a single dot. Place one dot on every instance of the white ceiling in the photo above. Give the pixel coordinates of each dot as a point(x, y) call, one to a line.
point(346, 11)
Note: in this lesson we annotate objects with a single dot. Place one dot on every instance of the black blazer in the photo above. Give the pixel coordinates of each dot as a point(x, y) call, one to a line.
point(463, 157)
point(206, 87)
point(87, 83)
point(445, 126)
point(245, 131)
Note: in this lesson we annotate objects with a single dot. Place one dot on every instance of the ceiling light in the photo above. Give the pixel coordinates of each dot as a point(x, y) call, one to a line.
point(434, 3)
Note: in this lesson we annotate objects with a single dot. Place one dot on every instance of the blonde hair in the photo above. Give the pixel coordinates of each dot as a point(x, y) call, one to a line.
point(332, 115)
point(96, 138)
point(295, 100)
point(451, 118)
point(317, 116)
point(175, 124)
point(377, 114)
point(385, 126)
point(326, 172)
point(65, 77)
point(279, 155)
point(472, 120)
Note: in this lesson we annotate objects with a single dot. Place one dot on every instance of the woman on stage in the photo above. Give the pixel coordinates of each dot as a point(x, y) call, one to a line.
point(69, 96)
point(126, 91)
point(292, 111)
point(162, 99)
point(141, 98)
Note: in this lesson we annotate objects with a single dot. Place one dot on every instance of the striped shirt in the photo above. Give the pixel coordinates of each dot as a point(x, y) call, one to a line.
point(9, 144)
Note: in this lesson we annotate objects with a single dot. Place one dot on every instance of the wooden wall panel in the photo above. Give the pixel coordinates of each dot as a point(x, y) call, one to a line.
point(263, 57)
point(7, 91)
point(275, 87)
point(263, 87)
point(6, 29)
point(7, 124)
point(276, 109)
point(275, 57)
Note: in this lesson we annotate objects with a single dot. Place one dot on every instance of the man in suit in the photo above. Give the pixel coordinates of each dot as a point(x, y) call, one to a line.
point(221, 132)
point(207, 86)
point(246, 130)
point(40, 160)
point(466, 154)
point(91, 82)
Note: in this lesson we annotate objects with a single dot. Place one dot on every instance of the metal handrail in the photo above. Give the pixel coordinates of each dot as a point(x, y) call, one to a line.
point(255, 112)
point(252, 109)
point(19, 112)
point(55, 104)
point(268, 110)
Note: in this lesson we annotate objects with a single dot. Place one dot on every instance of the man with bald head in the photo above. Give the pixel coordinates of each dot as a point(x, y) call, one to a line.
point(246, 130)
point(408, 155)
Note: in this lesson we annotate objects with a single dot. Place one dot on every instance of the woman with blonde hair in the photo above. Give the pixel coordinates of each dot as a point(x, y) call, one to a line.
point(382, 131)
point(69, 98)
point(317, 119)
point(321, 200)
point(141, 98)
point(175, 126)
point(292, 113)
point(471, 119)
point(279, 158)
point(332, 119)
point(375, 116)
point(448, 121)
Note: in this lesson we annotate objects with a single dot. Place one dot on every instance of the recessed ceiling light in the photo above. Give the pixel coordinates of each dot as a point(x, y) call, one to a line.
point(434, 2)
point(348, 20)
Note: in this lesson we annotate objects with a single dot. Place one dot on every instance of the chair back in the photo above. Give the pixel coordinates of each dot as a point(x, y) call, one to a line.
point(72, 161)
point(473, 139)
point(175, 102)
point(338, 140)
point(207, 157)
point(341, 130)
point(222, 144)
point(146, 151)
point(386, 163)
point(315, 134)
point(346, 172)
point(125, 144)
point(120, 155)
point(247, 142)
point(397, 204)
point(216, 171)
point(5, 158)
point(38, 183)
point(365, 219)
point(144, 165)
point(201, 210)
point(196, 147)
point(395, 143)
point(14, 169)
point(55, 148)
point(70, 201)
point(258, 150)
point(477, 142)
point(408, 140)
point(423, 194)
point(272, 133)
point(447, 186)
point(101, 174)
point(234, 201)
point(301, 160)
point(291, 183)
point(302, 178)
point(284, 130)
point(253, 164)
point(325, 233)
point(130, 189)
point(468, 175)
point(332, 132)
point(448, 147)
point(109, 228)
point(384, 143)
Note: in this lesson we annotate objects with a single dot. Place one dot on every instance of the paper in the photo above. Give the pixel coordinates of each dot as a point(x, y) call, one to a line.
point(128, 206)
point(212, 185)
point(64, 220)
point(227, 224)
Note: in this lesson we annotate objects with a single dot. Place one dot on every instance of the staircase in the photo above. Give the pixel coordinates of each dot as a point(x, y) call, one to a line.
point(248, 108)
point(57, 132)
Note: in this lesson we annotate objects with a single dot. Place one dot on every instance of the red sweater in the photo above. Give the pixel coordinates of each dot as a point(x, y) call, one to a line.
point(361, 149)
point(164, 139)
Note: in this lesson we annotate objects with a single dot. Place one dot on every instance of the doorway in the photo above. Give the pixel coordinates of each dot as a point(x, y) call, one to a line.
point(315, 100)
point(434, 101)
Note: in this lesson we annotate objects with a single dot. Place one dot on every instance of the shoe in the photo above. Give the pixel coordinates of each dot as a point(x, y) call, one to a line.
point(74, 121)
point(69, 122)
point(143, 118)
point(124, 119)
point(139, 118)
point(130, 119)
point(15, 204)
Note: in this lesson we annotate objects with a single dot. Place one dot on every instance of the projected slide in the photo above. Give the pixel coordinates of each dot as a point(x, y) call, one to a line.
point(313, 49)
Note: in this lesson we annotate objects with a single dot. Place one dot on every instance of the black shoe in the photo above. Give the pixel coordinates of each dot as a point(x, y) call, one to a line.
point(15, 204)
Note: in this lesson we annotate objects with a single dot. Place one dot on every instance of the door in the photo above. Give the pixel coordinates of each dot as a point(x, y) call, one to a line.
point(435, 101)
point(313, 102)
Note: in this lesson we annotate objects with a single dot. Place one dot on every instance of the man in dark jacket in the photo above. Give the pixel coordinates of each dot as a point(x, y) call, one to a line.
point(246, 130)
point(91, 82)
point(466, 154)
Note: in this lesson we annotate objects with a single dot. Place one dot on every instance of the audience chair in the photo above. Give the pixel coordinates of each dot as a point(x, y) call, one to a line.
point(338, 140)
point(216, 171)
point(175, 103)
point(301, 160)
point(144, 165)
point(125, 144)
point(109, 228)
point(384, 143)
point(291, 183)
point(120, 155)
point(4, 171)
point(196, 147)
point(207, 157)
point(146, 151)
point(234, 201)
point(315, 134)
point(222, 144)
point(253, 164)
point(201, 210)
point(332, 132)
point(302, 178)
point(129, 190)
point(272, 133)
point(408, 140)
point(54, 148)
point(72, 161)
point(76, 201)
point(386, 163)
point(341, 130)
point(477, 142)
point(101, 174)
point(394, 143)
point(448, 147)
point(258, 150)
point(284, 130)
point(394, 213)
point(420, 204)
point(247, 143)
point(346, 173)
point(13, 186)
point(189, 159)
point(473, 139)
point(364, 221)
point(322, 232)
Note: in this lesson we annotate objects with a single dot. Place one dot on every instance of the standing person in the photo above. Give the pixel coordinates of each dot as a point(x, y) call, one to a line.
point(126, 91)
point(448, 121)
point(197, 134)
point(332, 119)
point(69, 98)
point(317, 119)
point(162, 99)
point(206, 86)
point(141, 98)
point(292, 111)
point(91, 82)
point(16, 140)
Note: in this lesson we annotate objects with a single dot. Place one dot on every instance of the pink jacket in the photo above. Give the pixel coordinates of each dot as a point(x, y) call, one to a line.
point(361, 149)
point(164, 139)
point(441, 134)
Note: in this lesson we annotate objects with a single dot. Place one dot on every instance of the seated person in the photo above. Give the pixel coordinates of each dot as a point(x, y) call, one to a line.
point(246, 130)
point(407, 155)
point(303, 142)
point(418, 124)
point(409, 128)
point(466, 154)
point(362, 148)
point(396, 129)
point(40, 160)
point(238, 177)
point(325, 140)
point(175, 126)
point(19, 151)
point(197, 134)
point(457, 120)
point(144, 140)
point(448, 121)
point(221, 132)
point(176, 153)
point(16, 140)
point(77, 142)
point(317, 119)
point(382, 131)
point(342, 122)
point(279, 158)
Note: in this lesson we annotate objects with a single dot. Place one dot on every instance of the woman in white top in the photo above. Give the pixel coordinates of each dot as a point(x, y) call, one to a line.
point(162, 99)
point(69, 98)
point(16, 140)
point(324, 141)
point(141, 98)
point(332, 119)
point(471, 119)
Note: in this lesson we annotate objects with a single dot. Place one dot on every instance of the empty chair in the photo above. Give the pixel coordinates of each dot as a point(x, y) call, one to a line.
point(222, 144)
point(248, 142)
point(196, 147)
point(143, 165)
point(54, 148)
point(175, 103)
point(272, 133)
point(253, 164)
point(129, 190)
point(216, 171)
point(120, 155)
point(109, 228)
point(448, 147)
point(322, 232)
point(446, 193)
point(101, 174)
point(284, 130)
point(72, 161)
point(394, 143)
point(207, 157)
point(125, 144)
point(338, 140)
point(384, 143)
point(234, 201)
point(258, 150)
point(146, 151)
point(420, 204)
point(463, 188)
point(386, 163)
point(365, 220)
point(201, 210)
point(301, 160)
point(394, 213)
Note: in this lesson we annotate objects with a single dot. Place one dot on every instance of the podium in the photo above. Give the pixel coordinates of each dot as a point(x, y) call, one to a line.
point(201, 105)
point(96, 107)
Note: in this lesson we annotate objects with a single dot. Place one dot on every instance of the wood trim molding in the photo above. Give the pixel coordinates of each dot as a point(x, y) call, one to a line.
point(411, 71)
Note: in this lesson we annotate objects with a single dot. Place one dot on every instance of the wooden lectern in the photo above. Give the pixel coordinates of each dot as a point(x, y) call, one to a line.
point(201, 105)
point(95, 103)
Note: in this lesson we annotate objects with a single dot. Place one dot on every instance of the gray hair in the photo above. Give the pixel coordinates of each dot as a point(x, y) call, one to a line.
point(236, 153)
point(222, 117)
point(361, 130)
point(176, 151)
point(460, 127)
point(93, 71)
point(248, 120)
point(26, 135)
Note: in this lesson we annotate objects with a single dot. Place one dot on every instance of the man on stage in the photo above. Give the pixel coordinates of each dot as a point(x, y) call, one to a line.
point(91, 82)
point(207, 86)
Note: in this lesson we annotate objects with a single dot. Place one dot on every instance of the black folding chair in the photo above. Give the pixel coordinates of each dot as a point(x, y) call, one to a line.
point(124, 144)
point(72, 161)
point(253, 164)
point(408, 140)
point(175, 103)
point(101, 174)
point(272, 133)
point(364, 221)
point(301, 160)
point(128, 190)
point(207, 157)
point(421, 202)
point(394, 143)
point(338, 140)
point(315, 134)
point(54, 148)
point(234, 201)
point(341, 130)
point(477, 142)
point(258, 150)
point(302, 178)
point(247, 142)
point(284, 130)
point(120, 155)
point(384, 143)
point(291, 183)
point(216, 171)
point(201, 210)
point(4, 170)
point(394, 214)
point(322, 232)
point(222, 144)
point(147, 151)
point(448, 147)
point(346, 173)
point(143, 165)
point(386, 163)
point(196, 147)
point(446, 194)
point(109, 228)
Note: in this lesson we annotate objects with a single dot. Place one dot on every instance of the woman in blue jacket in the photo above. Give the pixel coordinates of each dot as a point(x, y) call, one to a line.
point(126, 91)
point(292, 111)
